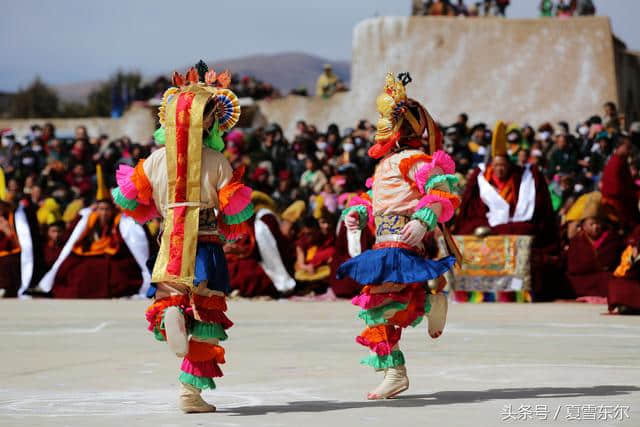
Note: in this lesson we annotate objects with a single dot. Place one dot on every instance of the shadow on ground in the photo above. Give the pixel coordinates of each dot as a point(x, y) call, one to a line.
point(440, 398)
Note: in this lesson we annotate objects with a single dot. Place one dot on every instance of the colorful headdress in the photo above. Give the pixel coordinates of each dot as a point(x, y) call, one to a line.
point(182, 115)
point(402, 119)
point(210, 87)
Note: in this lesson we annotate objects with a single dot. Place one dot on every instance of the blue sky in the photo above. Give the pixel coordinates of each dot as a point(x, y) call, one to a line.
point(68, 41)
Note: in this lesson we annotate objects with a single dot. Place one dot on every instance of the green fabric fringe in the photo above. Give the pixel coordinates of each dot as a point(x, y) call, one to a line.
point(203, 330)
point(362, 214)
point(375, 316)
point(198, 382)
point(450, 180)
point(122, 201)
point(427, 217)
point(158, 335)
point(427, 304)
point(160, 136)
point(240, 217)
point(214, 139)
point(396, 358)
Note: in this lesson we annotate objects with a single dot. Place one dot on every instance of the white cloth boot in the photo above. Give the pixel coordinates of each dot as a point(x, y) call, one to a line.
point(191, 402)
point(176, 331)
point(395, 382)
point(437, 316)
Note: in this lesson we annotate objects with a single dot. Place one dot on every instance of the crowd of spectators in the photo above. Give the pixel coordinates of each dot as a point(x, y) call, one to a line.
point(548, 8)
point(320, 167)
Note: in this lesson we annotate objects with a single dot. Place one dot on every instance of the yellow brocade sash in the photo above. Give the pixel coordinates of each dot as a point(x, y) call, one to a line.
point(176, 259)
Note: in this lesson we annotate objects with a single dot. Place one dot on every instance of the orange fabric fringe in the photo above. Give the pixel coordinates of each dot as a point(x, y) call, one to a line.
point(202, 351)
point(406, 165)
point(214, 302)
point(142, 184)
point(454, 199)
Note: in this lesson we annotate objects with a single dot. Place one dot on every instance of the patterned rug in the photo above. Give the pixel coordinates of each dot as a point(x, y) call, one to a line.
point(498, 269)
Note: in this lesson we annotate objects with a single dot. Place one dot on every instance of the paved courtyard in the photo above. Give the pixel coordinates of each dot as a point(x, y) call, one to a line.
point(92, 363)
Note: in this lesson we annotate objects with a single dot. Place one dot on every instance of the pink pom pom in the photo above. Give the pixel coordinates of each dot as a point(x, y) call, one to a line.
point(123, 178)
point(445, 204)
point(439, 160)
point(239, 200)
point(444, 161)
point(369, 301)
point(369, 182)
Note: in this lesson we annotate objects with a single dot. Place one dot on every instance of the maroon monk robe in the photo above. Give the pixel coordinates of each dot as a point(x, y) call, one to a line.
point(9, 265)
point(246, 275)
point(547, 281)
point(106, 275)
point(619, 196)
point(347, 287)
point(625, 291)
point(473, 211)
point(590, 263)
point(285, 246)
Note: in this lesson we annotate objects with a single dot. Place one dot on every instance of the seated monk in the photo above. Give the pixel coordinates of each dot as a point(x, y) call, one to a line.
point(104, 257)
point(314, 252)
point(260, 263)
point(21, 261)
point(592, 255)
point(624, 287)
point(54, 243)
point(619, 197)
point(506, 198)
point(9, 252)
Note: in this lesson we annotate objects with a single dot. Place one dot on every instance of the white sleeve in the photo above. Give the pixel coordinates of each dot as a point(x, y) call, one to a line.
point(271, 258)
point(46, 283)
point(26, 249)
point(136, 240)
point(353, 242)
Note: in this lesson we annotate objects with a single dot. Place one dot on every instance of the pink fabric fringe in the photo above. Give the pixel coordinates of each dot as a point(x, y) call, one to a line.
point(239, 200)
point(369, 301)
point(208, 368)
point(447, 207)
point(369, 182)
point(123, 178)
point(439, 160)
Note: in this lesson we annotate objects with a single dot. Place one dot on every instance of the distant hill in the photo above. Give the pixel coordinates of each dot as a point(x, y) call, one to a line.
point(284, 71)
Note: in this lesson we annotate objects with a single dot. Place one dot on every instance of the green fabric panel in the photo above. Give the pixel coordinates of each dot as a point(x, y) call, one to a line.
point(363, 215)
point(158, 335)
point(160, 136)
point(122, 201)
point(204, 330)
point(396, 358)
point(214, 139)
point(427, 217)
point(450, 180)
point(198, 382)
point(375, 316)
point(241, 217)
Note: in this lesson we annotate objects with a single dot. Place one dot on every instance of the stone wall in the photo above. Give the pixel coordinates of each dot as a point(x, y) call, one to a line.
point(138, 123)
point(522, 70)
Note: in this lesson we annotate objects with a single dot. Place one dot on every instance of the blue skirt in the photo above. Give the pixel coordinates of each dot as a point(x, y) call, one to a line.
point(393, 265)
point(211, 266)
